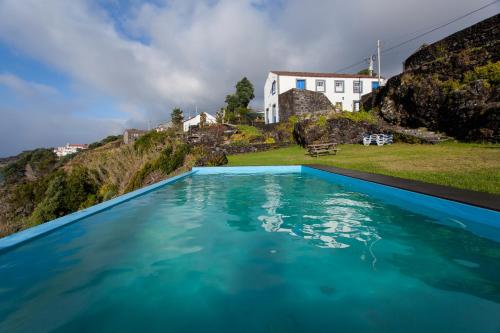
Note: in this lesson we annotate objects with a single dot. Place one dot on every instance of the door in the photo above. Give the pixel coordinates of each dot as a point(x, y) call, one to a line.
point(274, 113)
point(301, 84)
point(356, 106)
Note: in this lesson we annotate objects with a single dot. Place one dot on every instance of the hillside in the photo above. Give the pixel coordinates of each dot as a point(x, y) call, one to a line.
point(37, 186)
point(451, 86)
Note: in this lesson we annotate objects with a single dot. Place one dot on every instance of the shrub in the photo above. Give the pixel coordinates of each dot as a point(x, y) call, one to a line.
point(107, 191)
point(66, 193)
point(168, 161)
point(246, 134)
point(104, 141)
point(41, 161)
point(367, 116)
point(151, 140)
point(451, 85)
point(489, 72)
point(321, 121)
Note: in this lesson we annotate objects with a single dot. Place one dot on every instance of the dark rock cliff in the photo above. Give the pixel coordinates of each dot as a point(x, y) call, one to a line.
point(451, 86)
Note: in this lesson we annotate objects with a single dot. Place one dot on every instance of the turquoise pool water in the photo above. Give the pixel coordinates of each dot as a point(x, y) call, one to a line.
point(254, 253)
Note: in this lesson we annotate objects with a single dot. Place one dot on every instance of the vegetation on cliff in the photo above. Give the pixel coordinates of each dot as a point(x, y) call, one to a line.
point(38, 187)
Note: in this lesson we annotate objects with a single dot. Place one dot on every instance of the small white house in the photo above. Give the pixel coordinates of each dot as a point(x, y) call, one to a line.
point(343, 90)
point(194, 121)
point(69, 149)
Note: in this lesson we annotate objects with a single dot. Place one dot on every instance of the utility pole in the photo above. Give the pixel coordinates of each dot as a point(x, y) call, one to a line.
point(378, 59)
point(370, 66)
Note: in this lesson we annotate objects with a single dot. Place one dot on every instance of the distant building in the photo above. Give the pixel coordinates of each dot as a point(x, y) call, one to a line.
point(163, 127)
point(195, 121)
point(132, 134)
point(69, 149)
point(344, 91)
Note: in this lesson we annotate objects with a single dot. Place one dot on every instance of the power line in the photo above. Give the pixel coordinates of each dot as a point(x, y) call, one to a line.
point(422, 34)
point(439, 27)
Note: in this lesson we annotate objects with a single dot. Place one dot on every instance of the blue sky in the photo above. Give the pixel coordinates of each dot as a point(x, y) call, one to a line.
point(76, 71)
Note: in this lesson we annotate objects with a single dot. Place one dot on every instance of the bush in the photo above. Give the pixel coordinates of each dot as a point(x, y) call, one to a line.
point(489, 72)
point(451, 85)
point(367, 116)
point(104, 141)
point(41, 161)
point(168, 161)
point(66, 193)
point(246, 134)
point(151, 140)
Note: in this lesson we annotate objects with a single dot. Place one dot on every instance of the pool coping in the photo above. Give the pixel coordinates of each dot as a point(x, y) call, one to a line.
point(472, 198)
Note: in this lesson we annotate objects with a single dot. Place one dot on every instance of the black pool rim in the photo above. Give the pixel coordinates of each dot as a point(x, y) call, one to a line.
point(479, 199)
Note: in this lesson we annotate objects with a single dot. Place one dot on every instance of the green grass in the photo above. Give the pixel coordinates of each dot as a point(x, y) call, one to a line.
point(468, 166)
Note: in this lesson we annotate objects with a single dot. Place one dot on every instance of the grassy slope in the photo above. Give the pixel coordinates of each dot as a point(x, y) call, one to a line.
point(468, 166)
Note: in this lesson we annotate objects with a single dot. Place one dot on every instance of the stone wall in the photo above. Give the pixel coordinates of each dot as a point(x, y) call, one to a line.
point(249, 148)
point(440, 91)
point(302, 102)
point(481, 35)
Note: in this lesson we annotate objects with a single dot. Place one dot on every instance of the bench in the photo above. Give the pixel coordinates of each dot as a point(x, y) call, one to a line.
point(322, 149)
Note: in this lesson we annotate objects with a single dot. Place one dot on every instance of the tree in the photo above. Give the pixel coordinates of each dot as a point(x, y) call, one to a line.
point(242, 114)
point(219, 116)
point(177, 117)
point(203, 119)
point(238, 101)
point(244, 92)
point(232, 102)
point(366, 71)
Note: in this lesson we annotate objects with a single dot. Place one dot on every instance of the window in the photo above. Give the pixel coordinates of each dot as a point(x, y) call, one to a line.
point(274, 113)
point(356, 106)
point(339, 86)
point(338, 106)
point(375, 85)
point(358, 87)
point(320, 85)
point(273, 88)
point(300, 84)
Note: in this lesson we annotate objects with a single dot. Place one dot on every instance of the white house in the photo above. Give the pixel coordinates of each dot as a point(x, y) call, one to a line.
point(69, 149)
point(194, 121)
point(343, 90)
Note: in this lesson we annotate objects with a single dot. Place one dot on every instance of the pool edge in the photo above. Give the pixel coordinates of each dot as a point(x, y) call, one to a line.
point(20, 237)
point(472, 198)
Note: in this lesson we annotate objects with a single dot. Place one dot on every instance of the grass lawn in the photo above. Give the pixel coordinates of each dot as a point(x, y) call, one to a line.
point(468, 166)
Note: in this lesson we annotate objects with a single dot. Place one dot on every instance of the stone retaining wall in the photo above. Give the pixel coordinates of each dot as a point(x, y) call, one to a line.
point(300, 102)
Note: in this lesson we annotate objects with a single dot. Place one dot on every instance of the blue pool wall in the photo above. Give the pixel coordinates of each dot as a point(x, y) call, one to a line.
point(456, 213)
point(450, 212)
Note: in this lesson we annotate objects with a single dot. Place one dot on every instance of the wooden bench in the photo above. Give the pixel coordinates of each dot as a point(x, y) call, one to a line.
point(322, 149)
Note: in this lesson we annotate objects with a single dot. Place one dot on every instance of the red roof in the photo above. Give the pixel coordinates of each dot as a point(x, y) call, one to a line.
point(312, 74)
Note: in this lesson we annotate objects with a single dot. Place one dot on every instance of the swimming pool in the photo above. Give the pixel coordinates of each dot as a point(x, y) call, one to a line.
point(284, 249)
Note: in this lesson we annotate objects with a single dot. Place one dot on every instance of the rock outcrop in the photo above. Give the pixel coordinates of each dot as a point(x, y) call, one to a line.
point(338, 130)
point(300, 102)
point(451, 86)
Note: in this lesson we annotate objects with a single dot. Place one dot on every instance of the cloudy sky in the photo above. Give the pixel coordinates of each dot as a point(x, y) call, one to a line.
point(76, 71)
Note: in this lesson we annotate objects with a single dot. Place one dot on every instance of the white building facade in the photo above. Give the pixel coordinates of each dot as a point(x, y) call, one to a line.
point(194, 121)
point(69, 149)
point(343, 90)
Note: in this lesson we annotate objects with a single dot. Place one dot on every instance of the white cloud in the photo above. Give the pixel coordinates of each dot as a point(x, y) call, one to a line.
point(38, 115)
point(195, 51)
